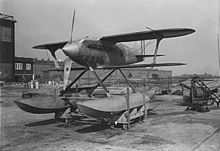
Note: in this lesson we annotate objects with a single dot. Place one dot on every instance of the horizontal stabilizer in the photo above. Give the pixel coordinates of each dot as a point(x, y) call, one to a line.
point(147, 56)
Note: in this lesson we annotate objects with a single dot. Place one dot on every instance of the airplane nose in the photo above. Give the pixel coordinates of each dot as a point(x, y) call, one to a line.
point(71, 49)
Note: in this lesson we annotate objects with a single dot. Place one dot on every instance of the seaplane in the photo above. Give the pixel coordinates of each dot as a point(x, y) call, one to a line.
point(103, 53)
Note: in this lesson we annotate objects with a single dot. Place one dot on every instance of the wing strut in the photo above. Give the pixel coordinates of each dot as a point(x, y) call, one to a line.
point(54, 58)
point(156, 49)
point(159, 37)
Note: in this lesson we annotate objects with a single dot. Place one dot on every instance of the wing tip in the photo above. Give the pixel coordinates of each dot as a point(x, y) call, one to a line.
point(39, 47)
point(191, 30)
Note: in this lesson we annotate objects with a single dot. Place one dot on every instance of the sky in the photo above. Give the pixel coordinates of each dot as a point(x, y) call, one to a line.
point(45, 21)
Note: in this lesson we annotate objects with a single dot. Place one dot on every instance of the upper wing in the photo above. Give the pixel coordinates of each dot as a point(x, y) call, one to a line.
point(121, 66)
point(51, 46)
point(147, 35)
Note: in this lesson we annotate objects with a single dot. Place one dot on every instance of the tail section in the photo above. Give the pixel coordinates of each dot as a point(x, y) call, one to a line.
point(141, 57)
point(147, 56)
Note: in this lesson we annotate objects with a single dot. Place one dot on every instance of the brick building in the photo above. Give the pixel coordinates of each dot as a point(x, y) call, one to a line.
point(23, 69)
point(7, 47)
point(40, 68)
point(143, 73)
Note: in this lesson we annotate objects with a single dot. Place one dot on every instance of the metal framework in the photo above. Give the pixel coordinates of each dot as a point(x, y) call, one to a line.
point(200, 95)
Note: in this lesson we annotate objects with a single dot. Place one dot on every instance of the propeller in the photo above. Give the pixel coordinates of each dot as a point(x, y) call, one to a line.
point(67, 69)
point(71, 35)
point(68, 61)
point(71, 47)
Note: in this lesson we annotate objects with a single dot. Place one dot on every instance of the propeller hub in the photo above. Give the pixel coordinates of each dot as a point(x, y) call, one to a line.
point(71, 49)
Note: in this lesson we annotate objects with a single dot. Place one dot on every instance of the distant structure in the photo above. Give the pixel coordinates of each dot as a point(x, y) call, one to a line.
point(23, 69)
point(7, 47)
point(41, 74)
point(134, 74)
point(27, 69)
point(143, 73)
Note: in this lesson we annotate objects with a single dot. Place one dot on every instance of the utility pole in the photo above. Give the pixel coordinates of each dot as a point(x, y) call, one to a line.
point(218, 30)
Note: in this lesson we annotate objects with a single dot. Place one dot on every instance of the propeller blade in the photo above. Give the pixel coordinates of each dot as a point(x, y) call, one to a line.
point(72, 26)
point(67, 69)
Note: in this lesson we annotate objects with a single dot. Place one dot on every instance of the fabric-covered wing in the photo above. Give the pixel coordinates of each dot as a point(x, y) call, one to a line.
point(147, 35)
point(143, 65)
point(51, 46)
point(62, 69)
point(121, 66)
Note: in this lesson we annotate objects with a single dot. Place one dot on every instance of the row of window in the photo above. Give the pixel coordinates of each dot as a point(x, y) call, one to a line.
point(19, 66)
point(5, 34)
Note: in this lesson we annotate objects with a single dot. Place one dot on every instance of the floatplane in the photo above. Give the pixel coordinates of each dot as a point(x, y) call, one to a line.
point(104, 53)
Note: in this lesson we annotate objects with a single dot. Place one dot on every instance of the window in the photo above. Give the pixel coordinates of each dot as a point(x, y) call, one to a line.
point(5, 34)
point(28, 66)
point(18, 66)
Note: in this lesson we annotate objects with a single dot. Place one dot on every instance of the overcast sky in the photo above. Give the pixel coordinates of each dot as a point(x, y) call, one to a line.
point(43, 21)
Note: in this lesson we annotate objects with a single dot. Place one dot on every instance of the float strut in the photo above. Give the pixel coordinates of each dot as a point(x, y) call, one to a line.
point(100, 82)
point(77, 78)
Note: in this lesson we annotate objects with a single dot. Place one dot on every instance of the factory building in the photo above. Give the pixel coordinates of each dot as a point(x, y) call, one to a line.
point(23, 69)
point(143, 73)
point(7, 47)
point(41, 73)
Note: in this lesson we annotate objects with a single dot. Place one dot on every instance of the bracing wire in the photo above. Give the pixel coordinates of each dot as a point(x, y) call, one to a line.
point(133, 52)
point(218, 53)
point(218, 26)
point(202, 14)
point(214, 23)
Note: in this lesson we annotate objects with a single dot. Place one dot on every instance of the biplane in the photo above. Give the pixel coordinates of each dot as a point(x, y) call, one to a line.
point(107, 53)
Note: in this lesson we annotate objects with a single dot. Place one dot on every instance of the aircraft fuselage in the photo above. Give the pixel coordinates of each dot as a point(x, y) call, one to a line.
point(94, 53)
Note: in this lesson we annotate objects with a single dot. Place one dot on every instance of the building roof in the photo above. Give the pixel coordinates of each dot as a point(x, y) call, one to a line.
point(7, 17)
point(23, 59)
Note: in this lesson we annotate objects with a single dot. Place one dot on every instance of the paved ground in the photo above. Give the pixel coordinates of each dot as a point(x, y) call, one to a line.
point(168, 127)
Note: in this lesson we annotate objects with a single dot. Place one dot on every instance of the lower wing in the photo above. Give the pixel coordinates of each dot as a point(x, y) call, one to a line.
point(121, 66)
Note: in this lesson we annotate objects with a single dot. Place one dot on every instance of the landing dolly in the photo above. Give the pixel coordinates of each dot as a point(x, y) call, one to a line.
point(201, 96)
